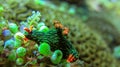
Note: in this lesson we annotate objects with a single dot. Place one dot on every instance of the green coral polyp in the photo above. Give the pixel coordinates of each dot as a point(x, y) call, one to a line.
point(56, 57)
point(19, 61)
point(13, 27)
point(21, 51)
point(12, 56)
point(32, 20)
point(18, 39)
point(17, 43)
point(44, 49)
point(9, 44)
point(19, 36)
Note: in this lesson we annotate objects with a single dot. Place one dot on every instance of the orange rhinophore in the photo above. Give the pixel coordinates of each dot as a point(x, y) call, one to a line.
point(65, 31)
point(57, 24)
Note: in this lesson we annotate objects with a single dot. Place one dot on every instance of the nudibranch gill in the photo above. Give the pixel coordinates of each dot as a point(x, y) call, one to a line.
point(56, 38)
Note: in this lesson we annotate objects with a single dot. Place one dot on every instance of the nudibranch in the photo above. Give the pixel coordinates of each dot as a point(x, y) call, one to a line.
point(56, 38)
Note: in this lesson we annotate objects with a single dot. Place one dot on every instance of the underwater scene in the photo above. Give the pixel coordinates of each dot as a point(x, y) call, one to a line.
point(59, 33)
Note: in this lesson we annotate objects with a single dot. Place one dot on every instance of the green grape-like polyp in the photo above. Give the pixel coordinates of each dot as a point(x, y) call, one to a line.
point(44, 49)
point(56, 57)
point(21, 51)
point(19, 61)
point(12, 55)
point(13, 27)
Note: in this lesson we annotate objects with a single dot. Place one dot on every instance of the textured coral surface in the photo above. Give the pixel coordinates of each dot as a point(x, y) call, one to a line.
point(93, 47)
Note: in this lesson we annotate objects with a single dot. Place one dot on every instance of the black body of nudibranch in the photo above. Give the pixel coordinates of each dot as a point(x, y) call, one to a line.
point(56, 41)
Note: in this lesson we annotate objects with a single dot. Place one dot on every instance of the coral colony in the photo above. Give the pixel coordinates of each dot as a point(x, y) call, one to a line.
point(33, 33)
point(50, 43)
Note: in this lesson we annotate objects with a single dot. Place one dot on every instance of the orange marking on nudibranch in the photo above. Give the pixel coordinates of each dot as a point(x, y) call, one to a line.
point(70, 58)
